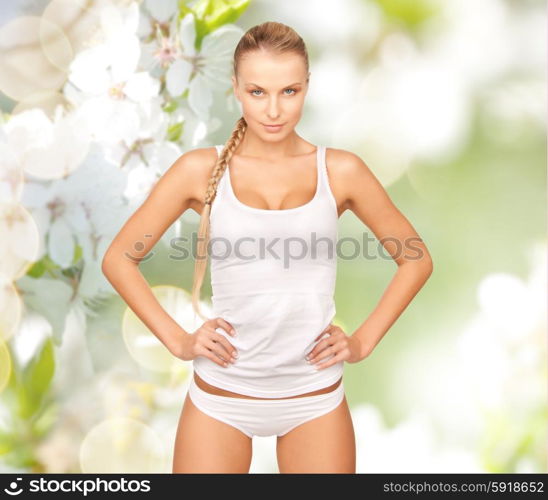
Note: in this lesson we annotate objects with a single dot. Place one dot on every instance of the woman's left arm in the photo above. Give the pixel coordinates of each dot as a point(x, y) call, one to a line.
point(360, 191)
point(367, 198)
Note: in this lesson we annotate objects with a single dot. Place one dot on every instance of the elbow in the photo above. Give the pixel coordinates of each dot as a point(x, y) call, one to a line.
point(114, 262)
point(106, 264)
point(428, 267)
point(426, 263)
point(423, 267)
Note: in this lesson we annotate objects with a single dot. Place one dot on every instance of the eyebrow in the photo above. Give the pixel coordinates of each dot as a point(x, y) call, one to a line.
point(257, 85)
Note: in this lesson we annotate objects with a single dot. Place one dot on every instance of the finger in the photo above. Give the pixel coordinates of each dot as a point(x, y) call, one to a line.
point(218, 349)
point(332, 339)
point(323, 355)
point(230, 349)
point(218, 338)
point(319, 347)
point(217, 360)
point(226, 325)
point(326, 329)
point(336, 345)
point(212, 332)
point(327, 364)
point(206, 353)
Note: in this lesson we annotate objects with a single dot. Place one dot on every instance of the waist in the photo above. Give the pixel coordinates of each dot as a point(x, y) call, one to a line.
point(231, 278)
point(212, 389)
point(258, 317)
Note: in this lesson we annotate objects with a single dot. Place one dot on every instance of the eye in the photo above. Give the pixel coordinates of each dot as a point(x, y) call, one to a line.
point(257, 90)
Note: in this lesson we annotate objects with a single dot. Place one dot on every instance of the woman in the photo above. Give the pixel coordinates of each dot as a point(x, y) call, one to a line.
point(270, 361)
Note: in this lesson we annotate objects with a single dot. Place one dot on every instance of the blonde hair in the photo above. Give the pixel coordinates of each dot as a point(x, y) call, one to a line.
point(271, 36)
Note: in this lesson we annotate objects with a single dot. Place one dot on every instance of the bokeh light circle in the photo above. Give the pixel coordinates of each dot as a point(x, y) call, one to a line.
point(34, 56)
point(122, 445)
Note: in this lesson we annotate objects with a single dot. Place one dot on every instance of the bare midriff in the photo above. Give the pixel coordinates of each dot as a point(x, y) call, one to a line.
point(202, 384)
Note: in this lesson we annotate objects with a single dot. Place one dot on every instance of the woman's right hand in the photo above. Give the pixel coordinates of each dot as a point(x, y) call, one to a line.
point(205, 341)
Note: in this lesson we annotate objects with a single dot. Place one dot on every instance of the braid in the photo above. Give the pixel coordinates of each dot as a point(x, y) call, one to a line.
point(222, 163)
point(203, 232)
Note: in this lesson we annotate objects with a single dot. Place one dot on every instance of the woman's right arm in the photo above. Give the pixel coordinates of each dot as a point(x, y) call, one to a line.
point(179, 188)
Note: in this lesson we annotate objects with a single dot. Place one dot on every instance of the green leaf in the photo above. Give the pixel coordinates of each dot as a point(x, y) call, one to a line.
point(39, 372)
point(36, 379)
point(78, 252)
point(8, 396)
point(45, 264)
point(7, 442)
point(170, 106)
point(174, 131)
point(211, 14)
point(46, 420)
point(22, 457)
point(183, 8)
point(42, 266)
point(411, 13)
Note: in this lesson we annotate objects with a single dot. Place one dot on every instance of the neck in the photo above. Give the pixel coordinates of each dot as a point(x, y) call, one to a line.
point(254, 145)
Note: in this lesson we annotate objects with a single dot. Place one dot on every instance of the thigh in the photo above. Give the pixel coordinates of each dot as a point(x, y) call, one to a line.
point(325, 444)
point(204, 444)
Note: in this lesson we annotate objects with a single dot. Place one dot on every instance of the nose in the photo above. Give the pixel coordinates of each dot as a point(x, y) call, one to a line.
point(273, 111)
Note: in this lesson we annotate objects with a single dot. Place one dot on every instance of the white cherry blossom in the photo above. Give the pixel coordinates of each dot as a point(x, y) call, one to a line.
point(106, 83)
point(200, 71)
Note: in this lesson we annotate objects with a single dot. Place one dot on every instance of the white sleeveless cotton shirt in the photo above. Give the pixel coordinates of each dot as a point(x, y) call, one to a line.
point(273, 276)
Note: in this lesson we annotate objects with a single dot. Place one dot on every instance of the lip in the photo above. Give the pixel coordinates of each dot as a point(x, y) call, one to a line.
point(273, 128)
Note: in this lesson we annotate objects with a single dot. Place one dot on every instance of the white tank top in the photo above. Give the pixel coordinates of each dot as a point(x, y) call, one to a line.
point(273, 276)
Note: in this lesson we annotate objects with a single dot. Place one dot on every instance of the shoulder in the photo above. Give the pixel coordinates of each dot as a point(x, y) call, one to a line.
point(188, 175)
point(197, 161)
point(340, 160)
point(349, 175)
point(194, 168)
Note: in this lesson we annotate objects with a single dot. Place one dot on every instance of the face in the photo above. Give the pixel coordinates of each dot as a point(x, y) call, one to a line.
point(271, 88)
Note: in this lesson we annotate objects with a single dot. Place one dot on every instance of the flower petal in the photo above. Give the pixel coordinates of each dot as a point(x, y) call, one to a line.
point(141, 87)
point(61, 243)
point(177, 77)
point(200, 98)
point(187, 34)
point(161, 10)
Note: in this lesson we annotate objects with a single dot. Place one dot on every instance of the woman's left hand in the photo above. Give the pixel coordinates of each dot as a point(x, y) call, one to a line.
point(344, 348)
